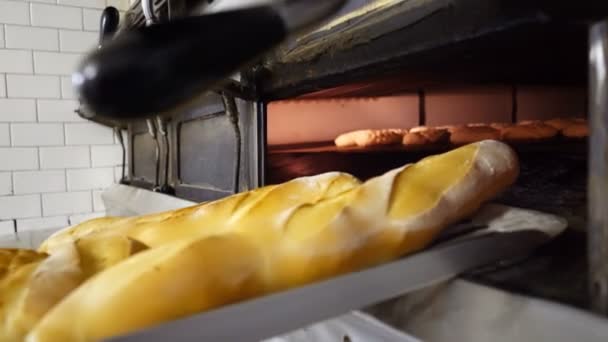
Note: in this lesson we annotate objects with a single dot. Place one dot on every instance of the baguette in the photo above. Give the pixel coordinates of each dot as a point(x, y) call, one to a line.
point(382, 219)
point(370, 137)
point(35, 282)
point(247, 210)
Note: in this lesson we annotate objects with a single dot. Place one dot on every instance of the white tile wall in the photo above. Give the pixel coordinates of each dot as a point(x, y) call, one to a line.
point(55, 63)
point(17, 110)
point(15, 207)
point(1, 36)
point(110, 155)
point(68, 157)
point(7, 227)
point(14, 159)
point(5, 136)
point(42, 223)
point(36, 134)
point(77, 41)
point(88, 134)
point(33, 86)
point(66, 203)
point(26, 37)
point(2, 85)
point(91, 19)
point(67, 90)
point(17, 61)
point(98, 205)
point(58, 111)
point(90, 179)
point(6, 183)
point(33, 182)
point(54, 165)
point(84, 3)
point(14, 12)
point(56, 16)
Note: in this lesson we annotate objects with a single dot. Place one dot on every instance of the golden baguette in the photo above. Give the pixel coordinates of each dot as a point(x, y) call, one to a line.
point(252, 209)
point(35, 282)
point(386, 217)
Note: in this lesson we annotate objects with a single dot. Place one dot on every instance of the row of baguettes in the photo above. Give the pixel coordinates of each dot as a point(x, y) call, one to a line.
point(525, 131)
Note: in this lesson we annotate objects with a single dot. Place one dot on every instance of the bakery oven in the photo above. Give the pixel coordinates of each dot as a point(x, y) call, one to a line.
point(378, 85)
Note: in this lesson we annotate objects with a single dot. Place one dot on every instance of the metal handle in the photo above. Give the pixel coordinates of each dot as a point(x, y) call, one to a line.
point(598, 167)
point(108, 24)
point(160, 68)
point(147, 7)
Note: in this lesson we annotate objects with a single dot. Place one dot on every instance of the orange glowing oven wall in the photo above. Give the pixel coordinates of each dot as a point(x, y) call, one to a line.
point(302, 121)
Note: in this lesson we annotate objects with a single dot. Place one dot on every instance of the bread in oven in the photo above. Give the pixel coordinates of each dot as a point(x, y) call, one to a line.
point(260, 245)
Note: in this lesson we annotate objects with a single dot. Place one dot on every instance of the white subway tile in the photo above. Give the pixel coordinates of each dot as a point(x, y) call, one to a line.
point(1, 36)
point(6, 184)
point(18, 158)
point(66, 203)
point(98, 204)
point(2, 85)
point(88, 134)
point(7, 227)
point(16, 61)
point(80, 218)
point(42, 223)
point(90, 179)
point(45, 1)
point(14, 207)
point(55, 63)
point(67, 90)
point(65, 157)
point(118, 173)
point(58, 111)
point(37, 134)
point(83, 3)
point(5, 136)
point(91, 19)
point(56, 16)
point(14, 12)
point(30, 86)
point(34, 182)
point(17, 110)
point(77, 41)
point(121, 5)
point(107, 155)
point(35, 38)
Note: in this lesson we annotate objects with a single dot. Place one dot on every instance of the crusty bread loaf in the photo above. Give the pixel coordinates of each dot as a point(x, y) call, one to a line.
point(427, 136)
point(35, 282)
point(254, 207)
point(370, 137)
point(276, 247)
point(528, 133)
point(559, 123)
point(576, 130)
point(414, 139)
point(467, 135)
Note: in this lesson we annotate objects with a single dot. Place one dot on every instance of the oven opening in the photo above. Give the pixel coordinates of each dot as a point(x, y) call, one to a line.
point(302, 132)
point(301, 141)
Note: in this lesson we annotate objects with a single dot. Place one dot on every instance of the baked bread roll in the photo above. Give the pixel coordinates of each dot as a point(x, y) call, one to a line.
point(414, 139)
point(248, 210)
point(500, 125)
point(528, 133)
point(33, 282)
point(559, 123)
point(467, 135)
point(384, 218)
point(370, 137)
point(427, 136)
point(577, 130)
